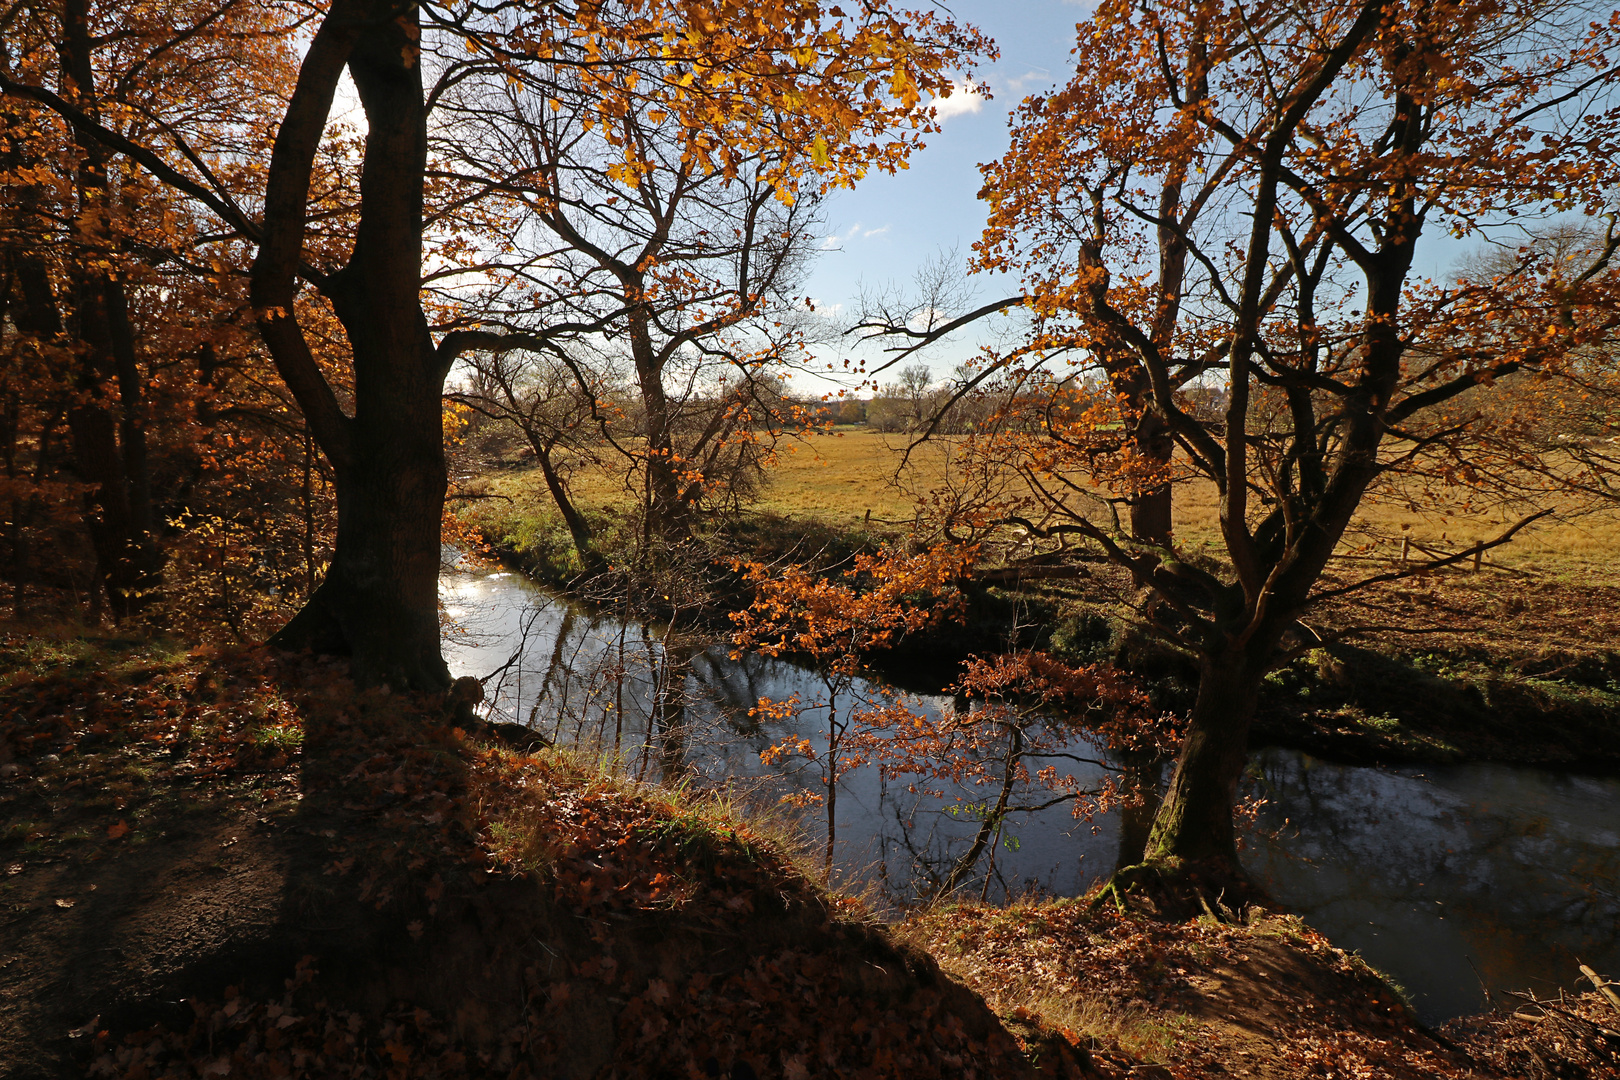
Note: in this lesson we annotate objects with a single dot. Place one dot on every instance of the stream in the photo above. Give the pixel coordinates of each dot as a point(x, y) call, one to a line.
point(1448, 879)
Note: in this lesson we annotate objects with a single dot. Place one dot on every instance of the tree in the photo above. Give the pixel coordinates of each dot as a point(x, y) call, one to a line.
point(544, 402)
point(663, 280)
point(103, 311)
point(912, 387)
point(633, 261)
point(1223, 208)
point(834, 75)
point(836, 625)
point(1007, 749)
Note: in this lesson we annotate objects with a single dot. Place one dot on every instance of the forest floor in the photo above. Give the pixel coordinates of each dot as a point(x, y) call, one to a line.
point(230, 863)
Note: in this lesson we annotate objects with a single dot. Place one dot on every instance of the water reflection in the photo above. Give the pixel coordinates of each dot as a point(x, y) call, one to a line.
point(1449, 878)
point(675, 708)
point(1445, 878)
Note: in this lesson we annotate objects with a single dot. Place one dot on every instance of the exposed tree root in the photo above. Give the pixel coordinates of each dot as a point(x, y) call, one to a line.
point(1181, 891)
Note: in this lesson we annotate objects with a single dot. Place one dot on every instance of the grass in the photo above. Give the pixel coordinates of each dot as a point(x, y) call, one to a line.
point(1514, 662)
point(1571, 546)
point(75, 648)
point(837, 477)
point(843, 476)
point(1149, 1037)
point(700, 831)
point(848, 478)
point(1197, 998)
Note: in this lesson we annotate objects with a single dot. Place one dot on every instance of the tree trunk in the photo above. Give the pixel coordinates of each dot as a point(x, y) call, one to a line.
point(1194, 822)
point(128, 563)
point(21, 509)
point(1140, 781)
point(578, 528)
point(1150, 510)
point(670, 727)
point(666, 513)
point(991, 824)
point(109, 442)
point(834, 739)
point(1150, 516)
point(379, 601)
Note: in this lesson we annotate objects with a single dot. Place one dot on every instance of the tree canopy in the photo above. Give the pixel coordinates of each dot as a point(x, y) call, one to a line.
point(776, 99)
point(1219, 219)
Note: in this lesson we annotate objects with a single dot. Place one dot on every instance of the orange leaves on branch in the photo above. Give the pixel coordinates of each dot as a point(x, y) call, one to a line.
point(835, 622)
point(793, 744)
point(1024, 711)
point(805, 84)
point(1028, 733)
point(135, 321)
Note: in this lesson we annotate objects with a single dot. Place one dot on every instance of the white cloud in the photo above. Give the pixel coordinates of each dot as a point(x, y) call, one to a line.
point(925, 319)
point(964, 99)
point(836, 241)
point(1037, 78)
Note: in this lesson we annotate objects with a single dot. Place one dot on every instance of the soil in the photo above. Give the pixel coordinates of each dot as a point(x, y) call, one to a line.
point(236, 864)
point(1266, 998)
point(393, 895)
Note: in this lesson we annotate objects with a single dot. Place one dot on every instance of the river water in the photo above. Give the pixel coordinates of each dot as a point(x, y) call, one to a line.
point(1449, 879)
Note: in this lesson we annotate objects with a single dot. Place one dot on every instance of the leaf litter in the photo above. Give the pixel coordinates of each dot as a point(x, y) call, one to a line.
point(627, 930)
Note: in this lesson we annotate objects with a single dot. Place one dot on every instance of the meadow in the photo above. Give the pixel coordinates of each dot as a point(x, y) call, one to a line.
point(852, 478)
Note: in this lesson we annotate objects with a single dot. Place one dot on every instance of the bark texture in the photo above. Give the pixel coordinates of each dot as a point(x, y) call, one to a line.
point(1194, 822)
point(379, 601)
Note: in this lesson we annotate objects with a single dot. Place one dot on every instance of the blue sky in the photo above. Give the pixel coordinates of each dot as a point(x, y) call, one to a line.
point(881, 231)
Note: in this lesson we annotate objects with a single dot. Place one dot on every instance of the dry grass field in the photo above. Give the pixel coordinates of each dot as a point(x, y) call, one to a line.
point(849, 477)
point(1516, 661)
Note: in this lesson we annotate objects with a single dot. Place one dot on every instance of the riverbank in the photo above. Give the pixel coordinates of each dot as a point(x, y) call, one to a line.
point(1502, 665)
point(233, 863)
point(1265, 997)
point(236, 864)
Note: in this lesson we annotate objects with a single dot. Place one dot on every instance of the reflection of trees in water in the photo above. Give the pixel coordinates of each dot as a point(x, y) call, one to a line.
point(919, 848)
point(553, 681)
point(1516, 862)
point(1524, 883)
point(463, 610)
point(1141, 773)
point(926, 859)
point(1400, 829)
point(673, 687)
point(679, 709)
point(732, 685)
point(628, 691)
